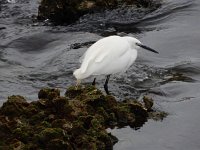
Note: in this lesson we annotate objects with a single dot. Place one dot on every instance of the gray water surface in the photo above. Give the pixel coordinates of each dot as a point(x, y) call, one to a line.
point(35, 55)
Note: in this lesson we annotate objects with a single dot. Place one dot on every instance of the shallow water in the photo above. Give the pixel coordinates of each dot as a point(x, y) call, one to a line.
point(35, 55)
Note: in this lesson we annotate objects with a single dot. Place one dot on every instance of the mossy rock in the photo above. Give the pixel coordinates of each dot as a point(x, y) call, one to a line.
point(47, 93)
point(59, 144)
point(49, 134)
point(77, 120)
point(14, 106)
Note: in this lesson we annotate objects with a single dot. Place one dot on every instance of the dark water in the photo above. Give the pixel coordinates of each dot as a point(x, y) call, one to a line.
point(35, 55)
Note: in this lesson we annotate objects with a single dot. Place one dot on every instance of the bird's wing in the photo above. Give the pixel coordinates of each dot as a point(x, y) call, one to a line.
point(88, 57)
point(112, 52)
point(102, 50)
point(100, 57)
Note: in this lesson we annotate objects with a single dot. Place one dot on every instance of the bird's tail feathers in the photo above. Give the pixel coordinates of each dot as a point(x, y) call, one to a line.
point(77, 73)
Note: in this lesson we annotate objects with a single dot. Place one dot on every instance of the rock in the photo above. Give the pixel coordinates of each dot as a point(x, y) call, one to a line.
point(73, 91)
point(148, 103)
point(17, 145)
point(48, 134)
point(15, 106)
point(157, 115)
point(59, 144)
point(48, 93)
point(68, 11)
point(77, 120)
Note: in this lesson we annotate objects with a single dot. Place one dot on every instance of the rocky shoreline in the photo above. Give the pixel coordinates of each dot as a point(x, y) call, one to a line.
point(77, 120)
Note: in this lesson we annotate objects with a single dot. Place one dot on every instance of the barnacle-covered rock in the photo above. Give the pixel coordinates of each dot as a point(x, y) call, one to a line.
point(49, 134)
point(77, 120)
point(47, 93)
point(15, 105)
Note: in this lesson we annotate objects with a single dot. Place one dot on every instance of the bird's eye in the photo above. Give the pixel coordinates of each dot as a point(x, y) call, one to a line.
point(138, 44)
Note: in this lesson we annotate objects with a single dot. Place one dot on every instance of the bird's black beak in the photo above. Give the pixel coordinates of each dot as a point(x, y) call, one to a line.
point(146, 47)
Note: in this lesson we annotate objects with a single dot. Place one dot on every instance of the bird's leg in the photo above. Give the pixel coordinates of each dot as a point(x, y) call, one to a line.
point(94, 82)
point(106, 84)
point(78, 82)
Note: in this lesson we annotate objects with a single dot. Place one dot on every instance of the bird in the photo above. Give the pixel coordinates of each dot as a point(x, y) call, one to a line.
point(109, 55)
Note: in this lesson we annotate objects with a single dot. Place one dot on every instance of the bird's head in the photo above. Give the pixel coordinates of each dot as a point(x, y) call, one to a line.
point(136, 44)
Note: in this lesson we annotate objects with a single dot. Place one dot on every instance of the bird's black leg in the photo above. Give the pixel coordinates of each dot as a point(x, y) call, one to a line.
point(94, 81)
point(106, 85)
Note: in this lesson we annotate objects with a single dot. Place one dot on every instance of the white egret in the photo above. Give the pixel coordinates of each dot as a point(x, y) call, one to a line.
point(109, 55)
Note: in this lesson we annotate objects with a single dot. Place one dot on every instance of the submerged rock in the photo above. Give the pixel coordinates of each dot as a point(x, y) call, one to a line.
point(148, 103)
point(76, 121)
point(68, 11)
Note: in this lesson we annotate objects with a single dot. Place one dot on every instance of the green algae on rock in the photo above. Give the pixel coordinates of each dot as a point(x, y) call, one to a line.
point(77, 120)
point(68, 11)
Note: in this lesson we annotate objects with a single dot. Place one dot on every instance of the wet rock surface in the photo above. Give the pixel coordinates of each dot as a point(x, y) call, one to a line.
point(68, 11)
point(77, 120)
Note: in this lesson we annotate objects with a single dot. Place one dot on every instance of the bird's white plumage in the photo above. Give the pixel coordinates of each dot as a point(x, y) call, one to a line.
point(109, 55)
